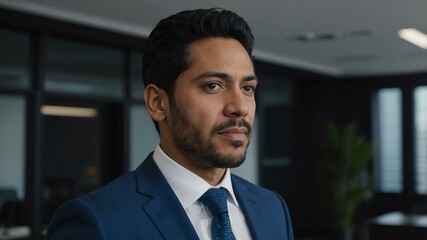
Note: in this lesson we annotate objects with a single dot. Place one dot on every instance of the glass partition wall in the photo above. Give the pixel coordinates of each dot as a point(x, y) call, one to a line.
point(14, 83)
point(72, 115)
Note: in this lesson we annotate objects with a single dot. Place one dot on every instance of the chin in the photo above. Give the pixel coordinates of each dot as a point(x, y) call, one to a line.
point(236, 163)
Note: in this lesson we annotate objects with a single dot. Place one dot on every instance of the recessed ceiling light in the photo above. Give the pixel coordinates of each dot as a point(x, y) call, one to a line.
point(414, 36)
point(312, 36)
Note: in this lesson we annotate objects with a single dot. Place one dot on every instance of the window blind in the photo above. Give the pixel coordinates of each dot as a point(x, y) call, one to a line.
point(420, 125)
point(389, 142)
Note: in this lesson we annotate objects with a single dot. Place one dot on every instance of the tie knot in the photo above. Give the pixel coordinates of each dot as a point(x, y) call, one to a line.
point(215, 199)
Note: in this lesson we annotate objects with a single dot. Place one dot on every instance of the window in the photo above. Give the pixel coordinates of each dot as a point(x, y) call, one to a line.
point(14, 59)
point(142, 134)
point(420, 139)
point(12, 143)
point(84, 69)
point(14, 74)
point(136, 82)
point(389, 157)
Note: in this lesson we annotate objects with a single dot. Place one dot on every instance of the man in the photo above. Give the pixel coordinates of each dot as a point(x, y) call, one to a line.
point(200, 86)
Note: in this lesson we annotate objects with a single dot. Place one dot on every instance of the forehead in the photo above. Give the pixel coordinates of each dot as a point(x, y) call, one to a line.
point(219, 52)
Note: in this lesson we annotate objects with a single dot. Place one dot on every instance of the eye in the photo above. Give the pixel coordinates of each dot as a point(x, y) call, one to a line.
point(248, 88)
point(212, 86)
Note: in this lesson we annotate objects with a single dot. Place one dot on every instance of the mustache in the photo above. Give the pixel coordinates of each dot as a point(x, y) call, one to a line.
point(232, 123)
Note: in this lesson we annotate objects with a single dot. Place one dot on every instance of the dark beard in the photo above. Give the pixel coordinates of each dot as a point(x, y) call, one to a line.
point(188, 138)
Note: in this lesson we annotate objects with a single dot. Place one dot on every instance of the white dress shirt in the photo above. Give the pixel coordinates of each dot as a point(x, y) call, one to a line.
point(189, 187)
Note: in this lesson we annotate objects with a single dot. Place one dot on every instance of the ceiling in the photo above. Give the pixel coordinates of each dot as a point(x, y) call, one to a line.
point(340, 38)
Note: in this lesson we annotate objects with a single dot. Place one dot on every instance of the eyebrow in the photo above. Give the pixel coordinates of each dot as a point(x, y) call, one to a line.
point(223, 76)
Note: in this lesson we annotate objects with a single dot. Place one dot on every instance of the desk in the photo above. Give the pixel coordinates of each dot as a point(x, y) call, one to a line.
point(398, 226)
point(21, 232)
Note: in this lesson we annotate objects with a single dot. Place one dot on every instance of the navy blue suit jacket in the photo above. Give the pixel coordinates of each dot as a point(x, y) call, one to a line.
point(142, 205)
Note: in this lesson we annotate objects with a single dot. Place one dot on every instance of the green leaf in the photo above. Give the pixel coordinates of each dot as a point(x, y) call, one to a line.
point(346, 171)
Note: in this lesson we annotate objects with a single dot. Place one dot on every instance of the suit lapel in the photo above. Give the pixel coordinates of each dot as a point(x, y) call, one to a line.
point(249, 204)
point(161, 204)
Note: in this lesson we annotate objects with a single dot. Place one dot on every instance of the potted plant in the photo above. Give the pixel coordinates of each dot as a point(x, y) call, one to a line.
point(346, 176)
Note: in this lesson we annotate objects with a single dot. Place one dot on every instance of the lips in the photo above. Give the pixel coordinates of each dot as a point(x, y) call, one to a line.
point(233, 130)
point(235, 133)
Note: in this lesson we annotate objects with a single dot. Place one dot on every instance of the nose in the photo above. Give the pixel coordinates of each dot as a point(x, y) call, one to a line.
point(237, 104)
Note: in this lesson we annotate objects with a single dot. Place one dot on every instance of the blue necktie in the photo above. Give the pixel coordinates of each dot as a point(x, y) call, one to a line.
point(215, 199)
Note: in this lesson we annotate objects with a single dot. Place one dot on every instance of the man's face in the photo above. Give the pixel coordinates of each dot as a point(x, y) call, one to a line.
point(214, 104)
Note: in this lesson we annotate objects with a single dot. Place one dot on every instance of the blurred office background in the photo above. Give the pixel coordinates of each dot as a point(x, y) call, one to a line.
point(72, 115)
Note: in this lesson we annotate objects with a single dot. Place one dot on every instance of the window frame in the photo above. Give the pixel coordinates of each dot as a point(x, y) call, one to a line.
point(408, 198)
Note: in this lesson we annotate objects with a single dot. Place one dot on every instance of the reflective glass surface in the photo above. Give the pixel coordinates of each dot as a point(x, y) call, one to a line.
point(420, 110)
point(85, 69)
point(143, 135)
point(12, 144)
point(14, 59)
point(136, 82)
point(389, 162)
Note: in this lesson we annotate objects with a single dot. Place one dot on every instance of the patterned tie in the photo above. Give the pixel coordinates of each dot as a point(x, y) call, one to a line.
point(215, 199)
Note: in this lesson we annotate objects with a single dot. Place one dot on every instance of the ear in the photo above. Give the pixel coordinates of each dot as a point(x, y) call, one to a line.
point(156, 100)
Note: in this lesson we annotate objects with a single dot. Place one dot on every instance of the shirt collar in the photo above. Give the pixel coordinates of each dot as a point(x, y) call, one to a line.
point(188, 187)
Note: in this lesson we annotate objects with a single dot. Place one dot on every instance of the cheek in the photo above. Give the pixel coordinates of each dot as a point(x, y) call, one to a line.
point(204, 117)
point(206, 114)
